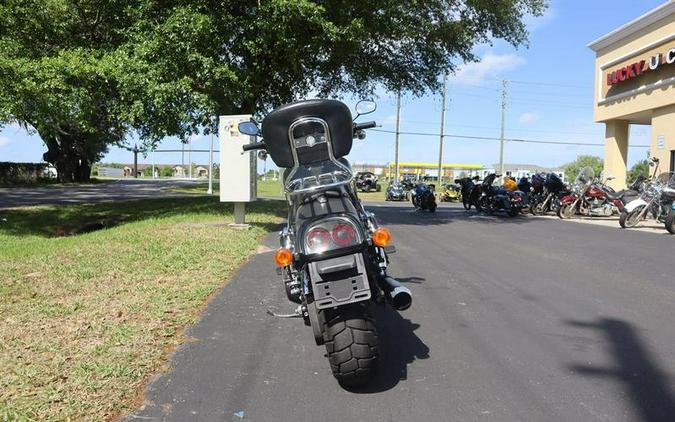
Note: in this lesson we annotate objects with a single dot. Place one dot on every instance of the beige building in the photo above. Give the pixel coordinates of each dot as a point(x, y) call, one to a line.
point(635, 84)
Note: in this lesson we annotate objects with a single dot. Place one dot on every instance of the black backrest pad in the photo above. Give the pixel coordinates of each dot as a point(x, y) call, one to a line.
point(275, 127)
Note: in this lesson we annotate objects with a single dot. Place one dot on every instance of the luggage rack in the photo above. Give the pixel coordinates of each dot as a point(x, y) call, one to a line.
point(324, 180)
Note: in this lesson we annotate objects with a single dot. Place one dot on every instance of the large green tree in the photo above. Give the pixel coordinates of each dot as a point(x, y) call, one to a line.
point(85, 74)
point(573, 168)
point(641, 168)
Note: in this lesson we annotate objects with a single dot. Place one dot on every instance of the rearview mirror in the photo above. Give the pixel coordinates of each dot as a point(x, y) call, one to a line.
point(249, 128)
point(365, 107)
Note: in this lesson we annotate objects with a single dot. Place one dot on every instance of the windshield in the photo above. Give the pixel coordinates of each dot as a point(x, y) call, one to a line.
point(667, 179)
point(585, 176)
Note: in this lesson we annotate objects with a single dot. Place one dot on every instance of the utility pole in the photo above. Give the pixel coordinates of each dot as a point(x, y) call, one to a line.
point(398, 126)
point(210, 190)
point(501, 136)
point(440, 150)
point(190, 157)
point(135, 160)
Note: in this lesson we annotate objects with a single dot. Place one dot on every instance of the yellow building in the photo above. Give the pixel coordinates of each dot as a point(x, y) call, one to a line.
point(635, 84)
point(420, 169)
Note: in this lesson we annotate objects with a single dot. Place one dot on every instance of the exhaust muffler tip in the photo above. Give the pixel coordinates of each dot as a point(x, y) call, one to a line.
point(399, 296)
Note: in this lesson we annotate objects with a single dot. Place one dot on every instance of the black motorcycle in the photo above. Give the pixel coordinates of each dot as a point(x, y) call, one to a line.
point(333, 257)
point(423, 197)
point(495, 198)
point(525, 187)
point(470, 191)
point(549, 198)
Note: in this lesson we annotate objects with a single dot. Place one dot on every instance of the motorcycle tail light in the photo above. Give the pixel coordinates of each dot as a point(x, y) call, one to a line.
point(318, 239)
point(331, 233)
point(344, 234)
point(381, 237)
point(283, 257)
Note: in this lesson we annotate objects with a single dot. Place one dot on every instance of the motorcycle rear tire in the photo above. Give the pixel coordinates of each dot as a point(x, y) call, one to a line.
point(538, 208)
point(432, 208)
point(467, 204)
point(629, 220)
point(484, 206)
point(350, 338)
point(512, 212)
point(670, 222)
point(566, 211)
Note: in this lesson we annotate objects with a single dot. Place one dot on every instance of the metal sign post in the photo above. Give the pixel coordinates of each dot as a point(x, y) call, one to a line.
point(237, 168)
point(210, 190)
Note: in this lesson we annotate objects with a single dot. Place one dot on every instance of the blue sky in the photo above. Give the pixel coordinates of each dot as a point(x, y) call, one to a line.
point(550, 99)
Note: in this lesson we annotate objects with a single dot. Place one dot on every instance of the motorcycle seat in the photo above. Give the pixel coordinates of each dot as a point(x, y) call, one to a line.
point(616, 195)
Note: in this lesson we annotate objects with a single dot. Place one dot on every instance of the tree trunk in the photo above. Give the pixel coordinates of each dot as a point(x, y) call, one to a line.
point(61, 154)
point(83, 173)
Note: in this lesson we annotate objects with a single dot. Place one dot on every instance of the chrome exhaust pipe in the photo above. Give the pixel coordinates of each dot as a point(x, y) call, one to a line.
point(397, 295)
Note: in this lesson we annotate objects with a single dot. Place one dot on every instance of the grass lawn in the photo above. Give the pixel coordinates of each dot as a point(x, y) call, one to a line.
point(266, 189)
point(87, 316)
point(273, 189)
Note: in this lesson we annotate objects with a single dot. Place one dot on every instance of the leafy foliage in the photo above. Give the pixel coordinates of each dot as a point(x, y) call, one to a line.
point(572, 169)
point(85, 74)
point(641, 168)
point(13, 173)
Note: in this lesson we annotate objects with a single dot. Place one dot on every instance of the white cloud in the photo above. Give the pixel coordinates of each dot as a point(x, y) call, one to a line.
point(534, 23)
point(391, 120)
point(490, 66)
point(529, 117)
point(4, 141)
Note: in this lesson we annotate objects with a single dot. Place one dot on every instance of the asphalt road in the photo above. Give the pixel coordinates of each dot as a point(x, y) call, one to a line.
point(523, 319)
point(114, 190)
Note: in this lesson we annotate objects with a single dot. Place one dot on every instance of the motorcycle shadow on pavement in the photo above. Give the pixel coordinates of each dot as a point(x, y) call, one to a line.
point(408, 216)
point(399, 347)
point(646, 383)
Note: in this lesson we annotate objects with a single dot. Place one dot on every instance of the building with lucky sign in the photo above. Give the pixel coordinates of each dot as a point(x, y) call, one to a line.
point(635, 84)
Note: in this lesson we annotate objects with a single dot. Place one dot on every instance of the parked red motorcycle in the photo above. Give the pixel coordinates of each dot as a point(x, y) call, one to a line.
point(590, 197)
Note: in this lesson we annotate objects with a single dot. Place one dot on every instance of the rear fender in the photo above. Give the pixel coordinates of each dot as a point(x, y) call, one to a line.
point(632, 205)
point(567, 199)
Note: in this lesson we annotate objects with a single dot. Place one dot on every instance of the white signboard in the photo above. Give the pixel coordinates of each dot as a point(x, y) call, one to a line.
point(237, 170)
point(660, 142)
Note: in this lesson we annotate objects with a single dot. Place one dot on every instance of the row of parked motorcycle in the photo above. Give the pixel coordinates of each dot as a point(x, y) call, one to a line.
point(647, 197)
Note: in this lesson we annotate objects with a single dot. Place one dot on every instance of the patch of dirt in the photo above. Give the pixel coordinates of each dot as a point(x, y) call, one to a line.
point(89, 226)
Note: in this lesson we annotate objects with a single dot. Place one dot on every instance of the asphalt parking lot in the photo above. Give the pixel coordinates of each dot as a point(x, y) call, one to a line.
point(107, 191)
point(524, 319)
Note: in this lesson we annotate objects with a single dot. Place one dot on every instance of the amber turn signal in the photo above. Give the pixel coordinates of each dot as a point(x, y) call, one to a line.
point(283, 257)
point(381, 237)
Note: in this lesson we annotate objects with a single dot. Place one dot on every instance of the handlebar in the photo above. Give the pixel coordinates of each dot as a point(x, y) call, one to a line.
point(364, 125)
point(254, 146)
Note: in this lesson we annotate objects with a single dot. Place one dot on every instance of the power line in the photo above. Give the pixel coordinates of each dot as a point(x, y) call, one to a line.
point(551, 84)
point(563, 132)
point(489, 138)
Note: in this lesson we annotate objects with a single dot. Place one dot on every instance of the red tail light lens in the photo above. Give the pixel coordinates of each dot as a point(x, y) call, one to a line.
point(318, 239)
point(331, 233)
point(344, 235)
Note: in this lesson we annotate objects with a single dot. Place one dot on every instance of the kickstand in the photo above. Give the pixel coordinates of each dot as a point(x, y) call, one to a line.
point(296, 314)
